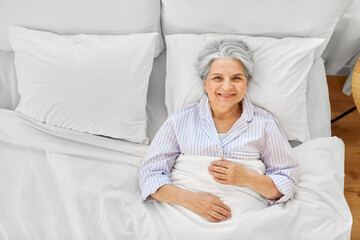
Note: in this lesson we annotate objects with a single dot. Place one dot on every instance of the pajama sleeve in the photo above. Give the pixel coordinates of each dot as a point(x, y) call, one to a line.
point(281, 164)
point(158, 162)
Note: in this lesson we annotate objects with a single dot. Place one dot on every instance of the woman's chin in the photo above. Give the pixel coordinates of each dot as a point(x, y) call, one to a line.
point(228, 100)
point(226, 103)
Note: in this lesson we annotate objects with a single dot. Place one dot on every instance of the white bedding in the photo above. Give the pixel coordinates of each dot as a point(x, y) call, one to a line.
point(62, 184)
point(190, 172)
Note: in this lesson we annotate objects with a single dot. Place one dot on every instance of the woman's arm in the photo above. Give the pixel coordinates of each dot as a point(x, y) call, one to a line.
point(158, 162)
point(282, 166)
point(263, 185)
point(155, 181)
point(206, 205)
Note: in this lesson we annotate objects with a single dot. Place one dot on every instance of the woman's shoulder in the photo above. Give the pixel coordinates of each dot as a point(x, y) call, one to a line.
point(261, 114)
point(264, 118)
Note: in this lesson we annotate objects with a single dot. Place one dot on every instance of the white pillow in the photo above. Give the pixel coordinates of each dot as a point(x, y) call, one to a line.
point(275, 18)
point(90, 83)
point(110, 17)
point(281, 67)
point(9, 97)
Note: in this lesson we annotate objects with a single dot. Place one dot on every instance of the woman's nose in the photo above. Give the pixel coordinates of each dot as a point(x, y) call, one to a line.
point(227, 85)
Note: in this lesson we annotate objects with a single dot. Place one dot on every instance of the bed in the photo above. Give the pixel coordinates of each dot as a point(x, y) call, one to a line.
point(84, 87)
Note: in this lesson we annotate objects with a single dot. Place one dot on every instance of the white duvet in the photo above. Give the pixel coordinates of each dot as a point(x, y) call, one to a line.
point(62, 184)
point(191, 172)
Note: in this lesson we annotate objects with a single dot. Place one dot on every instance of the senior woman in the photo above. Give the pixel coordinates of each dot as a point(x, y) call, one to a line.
point(223, 124)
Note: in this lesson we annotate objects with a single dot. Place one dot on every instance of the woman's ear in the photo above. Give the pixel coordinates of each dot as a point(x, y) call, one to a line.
point(204, 83)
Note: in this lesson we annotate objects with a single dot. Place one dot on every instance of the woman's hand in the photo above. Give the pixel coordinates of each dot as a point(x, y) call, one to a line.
point(204, 204)
point(208, 206)
point(226, 172)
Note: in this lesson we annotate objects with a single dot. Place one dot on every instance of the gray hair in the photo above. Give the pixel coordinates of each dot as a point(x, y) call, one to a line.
point(226, 48)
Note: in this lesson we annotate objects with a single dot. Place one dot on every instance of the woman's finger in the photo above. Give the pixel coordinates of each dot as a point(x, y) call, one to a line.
point(222, 211)
point(222, 181)
point(221, 177)
point(211, 218)
point(222, 164)
point(218, 169)
point(222, 205)
point(218, 175)
point(217, 215)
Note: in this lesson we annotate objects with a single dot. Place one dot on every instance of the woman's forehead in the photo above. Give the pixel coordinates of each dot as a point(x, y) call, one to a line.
point(227, 64)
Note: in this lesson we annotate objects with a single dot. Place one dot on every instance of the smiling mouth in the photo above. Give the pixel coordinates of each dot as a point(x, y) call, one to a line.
point(226, 95)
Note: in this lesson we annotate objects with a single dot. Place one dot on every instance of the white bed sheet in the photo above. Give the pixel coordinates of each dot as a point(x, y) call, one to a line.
point(62, 184)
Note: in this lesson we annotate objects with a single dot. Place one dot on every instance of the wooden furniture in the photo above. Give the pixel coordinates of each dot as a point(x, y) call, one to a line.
point(355, 84)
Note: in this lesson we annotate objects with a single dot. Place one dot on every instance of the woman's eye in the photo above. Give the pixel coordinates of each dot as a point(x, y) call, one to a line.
point(217, 78)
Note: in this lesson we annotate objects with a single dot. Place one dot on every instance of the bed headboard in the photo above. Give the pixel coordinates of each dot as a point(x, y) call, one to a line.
point(81, 16)
point(277, 18)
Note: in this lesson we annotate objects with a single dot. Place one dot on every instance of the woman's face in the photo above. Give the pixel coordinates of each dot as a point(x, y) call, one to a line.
point(226, 83)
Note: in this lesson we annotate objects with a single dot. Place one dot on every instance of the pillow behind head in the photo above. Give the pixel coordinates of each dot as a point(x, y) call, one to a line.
point(281, 67)
point(89, 83)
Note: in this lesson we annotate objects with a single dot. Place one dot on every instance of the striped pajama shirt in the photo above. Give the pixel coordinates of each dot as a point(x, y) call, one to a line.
point(191, 131)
